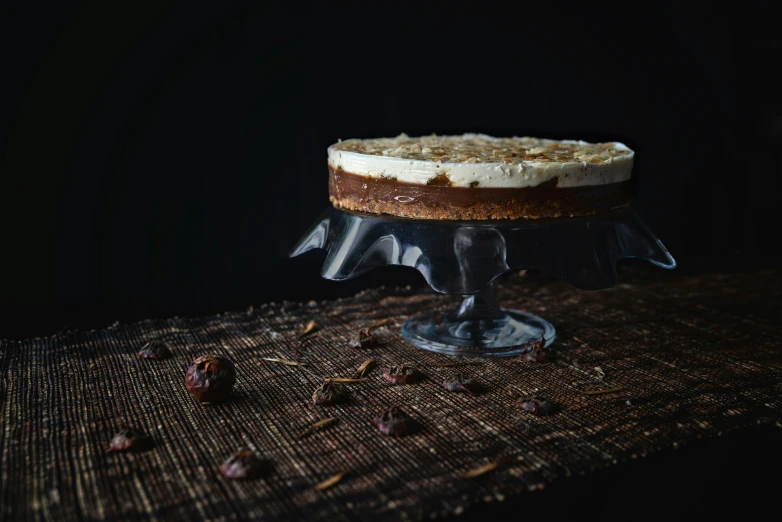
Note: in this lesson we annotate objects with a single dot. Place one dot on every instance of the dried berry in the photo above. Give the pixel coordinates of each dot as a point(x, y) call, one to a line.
point(329, 393)
point(460, 383)
point(243, 464)
point(363, 339)
point(537, 405)
point(536, 353)
point(155, 350)
point(210, 378)
point(394, 422)
point(130, 440)
point(401, 374)
point(536, 357)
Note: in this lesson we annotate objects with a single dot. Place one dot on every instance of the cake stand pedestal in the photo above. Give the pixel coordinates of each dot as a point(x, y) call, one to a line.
point(465, 257)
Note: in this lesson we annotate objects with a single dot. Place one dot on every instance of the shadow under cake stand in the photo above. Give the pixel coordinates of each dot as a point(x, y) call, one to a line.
point(465, 257)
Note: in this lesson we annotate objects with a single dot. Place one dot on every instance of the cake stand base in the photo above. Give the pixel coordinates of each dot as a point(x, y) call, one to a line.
point(506, 336)
point(479, 328)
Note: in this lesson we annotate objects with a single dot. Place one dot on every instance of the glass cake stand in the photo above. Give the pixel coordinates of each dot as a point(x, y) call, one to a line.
point(465, 257)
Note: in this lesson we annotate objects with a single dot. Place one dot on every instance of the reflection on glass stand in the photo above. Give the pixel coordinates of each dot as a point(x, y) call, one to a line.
point(465, 257)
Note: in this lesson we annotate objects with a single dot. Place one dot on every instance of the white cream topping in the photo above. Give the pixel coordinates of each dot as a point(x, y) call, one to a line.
point(506, 174)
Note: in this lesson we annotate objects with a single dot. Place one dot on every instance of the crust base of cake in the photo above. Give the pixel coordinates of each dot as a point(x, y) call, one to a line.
point(571, 207)
point(441, 201)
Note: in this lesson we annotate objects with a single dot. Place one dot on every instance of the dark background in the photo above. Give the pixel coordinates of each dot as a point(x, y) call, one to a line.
point(162, 161)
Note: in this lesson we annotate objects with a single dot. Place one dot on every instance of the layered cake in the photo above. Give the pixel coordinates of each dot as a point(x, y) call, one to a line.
point(475, 176)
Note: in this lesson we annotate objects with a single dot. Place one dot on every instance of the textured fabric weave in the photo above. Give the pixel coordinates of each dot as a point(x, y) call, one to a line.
point(693, 357)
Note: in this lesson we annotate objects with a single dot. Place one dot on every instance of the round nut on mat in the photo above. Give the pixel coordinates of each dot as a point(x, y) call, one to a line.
point(460, 383)
point(394, 422)
point(210, 378)
point(329, 393)
point(401, 374)
point(155, 350)
point(244, 464)
point(130, 439)
point(537, 405)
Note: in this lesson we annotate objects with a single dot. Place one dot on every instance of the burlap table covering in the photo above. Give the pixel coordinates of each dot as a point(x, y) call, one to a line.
point(693, 356)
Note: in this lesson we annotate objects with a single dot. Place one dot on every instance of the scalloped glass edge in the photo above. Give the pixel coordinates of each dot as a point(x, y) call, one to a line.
point(464, 257)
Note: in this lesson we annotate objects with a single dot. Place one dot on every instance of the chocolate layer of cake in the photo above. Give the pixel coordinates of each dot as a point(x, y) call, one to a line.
point(438, 200)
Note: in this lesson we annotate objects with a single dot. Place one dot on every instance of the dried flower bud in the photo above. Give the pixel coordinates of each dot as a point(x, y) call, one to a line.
point(243, 464)
point(394, 422)
point(401, 374)
point(329, 393)
point(460, 383)
point(130, 439)
point(210, 378)
point(155, 350)
point(537, 405)
point(362, 339)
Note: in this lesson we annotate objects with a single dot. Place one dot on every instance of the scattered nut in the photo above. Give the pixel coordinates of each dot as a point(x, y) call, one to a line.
point(329, 393)
point(210, 378)
point(243, 464)
point(460, 383)
point(130, 439)
point(537, 405)
point(394, 422)
point(155, 350)
point(362, 339)
point(401, 374)
point(536, 351)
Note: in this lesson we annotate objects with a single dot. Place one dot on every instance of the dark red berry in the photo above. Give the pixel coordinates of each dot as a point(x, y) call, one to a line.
point(243, 464)
point(155, 350)
point(210, 378)
point(329, 393)
point(394, 422)
point(537, 405)
point(401, 374)
point(536, 357)
point(130, 439)
point(460, 383)
point(536, 351)
point(362, 339)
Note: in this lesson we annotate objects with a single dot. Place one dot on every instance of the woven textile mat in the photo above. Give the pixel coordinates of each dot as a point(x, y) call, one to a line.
point(691, 357)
